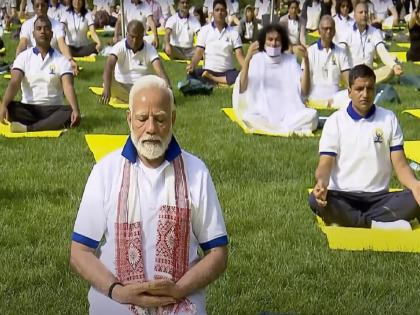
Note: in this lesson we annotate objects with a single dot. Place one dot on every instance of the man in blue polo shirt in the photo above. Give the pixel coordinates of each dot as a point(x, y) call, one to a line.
point(359, 148)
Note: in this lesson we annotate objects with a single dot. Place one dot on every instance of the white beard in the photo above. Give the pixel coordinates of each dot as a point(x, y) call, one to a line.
point(151, 151)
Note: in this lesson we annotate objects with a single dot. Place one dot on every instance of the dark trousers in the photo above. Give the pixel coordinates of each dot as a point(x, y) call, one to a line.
point(230, 75)
point(83, 51)
point(40, 117)
point(359, 209)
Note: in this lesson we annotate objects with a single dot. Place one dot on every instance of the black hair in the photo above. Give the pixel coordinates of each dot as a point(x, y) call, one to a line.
point(83, 10)
point(200, 13)
point(361, 71)
point(339, 3)
point(221, 2)
point(284, 37)
point(44, 19)
point(46, 1)
point(289, 4)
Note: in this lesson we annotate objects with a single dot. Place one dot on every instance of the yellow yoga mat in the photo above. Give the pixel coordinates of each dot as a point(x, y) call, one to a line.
point(85, 59)
point(371, 239)
point(404, 45)
point(401, 55)
point(7, 76)
point(160, 31)
point(165, 57)
point(101, 145)
point(3, 50)
point(114, 102)
point(319, 105)
point(348, 238)
point(5, 131)
point(314, 34)
point(232, 116)
point(412, 150)
point(414, 112)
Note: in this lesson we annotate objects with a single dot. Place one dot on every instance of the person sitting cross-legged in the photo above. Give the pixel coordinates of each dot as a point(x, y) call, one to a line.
point(131, 58)
point(359, 148)
point(216, 42)
point(180, 29)
point(44, 75)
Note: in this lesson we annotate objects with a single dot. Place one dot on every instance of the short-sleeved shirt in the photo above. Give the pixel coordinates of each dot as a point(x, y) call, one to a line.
point(41, 84)
point(98, 211)
point(362, 147)
point(104, 5)
point(56, 11)
point(131, 66)
point(325, 71)
point(165, 5)
point(342, 27)
point(28, 28)
point(182, 30)
point(138, 12)
point(77, 28)
point(362, 46)
point(263, 7)
point(218, 46)
point(381, 7)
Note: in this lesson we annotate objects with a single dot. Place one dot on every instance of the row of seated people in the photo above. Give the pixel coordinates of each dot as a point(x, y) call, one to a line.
point(324, 65)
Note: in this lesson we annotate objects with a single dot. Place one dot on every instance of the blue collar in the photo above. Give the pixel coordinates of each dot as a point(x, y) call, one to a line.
point(214, 25)
point(355, 27)
point(128, 46)
point(356, 116)
point(320, 47)
point(185, 17)
point(130, 152)
point(54, 6)
point(50, 51)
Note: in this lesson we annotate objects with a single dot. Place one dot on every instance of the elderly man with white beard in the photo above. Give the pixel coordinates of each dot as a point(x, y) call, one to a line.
point(145, 212)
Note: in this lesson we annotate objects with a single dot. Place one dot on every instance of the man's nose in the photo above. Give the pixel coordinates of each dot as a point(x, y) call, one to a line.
point(151, 125)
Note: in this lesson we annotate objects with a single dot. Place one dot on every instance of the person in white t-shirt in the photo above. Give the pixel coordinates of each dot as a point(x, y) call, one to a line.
point(154, 205)
point(132, 59)
point(26, 38)
point(216, 42)
point(364, 41)
point(262, 7)
point(137, 10)
point(56, 9)
point(328, 66)
point(343, 21)
point(43, 74)
point(167, 8)
point(180, 30)
point(381, 9)
point(292, 22)
point(78, 22)
point(359, 148)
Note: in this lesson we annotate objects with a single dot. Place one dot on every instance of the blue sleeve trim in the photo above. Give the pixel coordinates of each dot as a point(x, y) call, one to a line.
point(396, 148)
point(201, 46)
point(328, 153)
point(157, 58)
point(79, 238)
point(220, 241)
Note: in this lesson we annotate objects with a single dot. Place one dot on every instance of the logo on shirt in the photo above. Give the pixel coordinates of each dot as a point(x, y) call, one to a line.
point(379, 136)
point(333, 61)
point(52, 69)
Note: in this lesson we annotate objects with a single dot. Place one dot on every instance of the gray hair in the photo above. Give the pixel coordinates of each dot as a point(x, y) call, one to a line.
point(326, 18)
point(149, 81)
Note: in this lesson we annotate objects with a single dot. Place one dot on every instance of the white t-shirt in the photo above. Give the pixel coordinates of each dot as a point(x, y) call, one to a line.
point(77, 28)
point(362, 148)
point(55, 12)
point(131, 66)
point(166, 10)
point(342, 27)
point(263, 7)
point(325, 71)
point(313, 15)
point(381, 7)
point(41, 84)
point(28, 28)
point(98, 209)
point(218, 46)
point(182, 30)
point(362, 46)
point(104, 5)
point(138, 12)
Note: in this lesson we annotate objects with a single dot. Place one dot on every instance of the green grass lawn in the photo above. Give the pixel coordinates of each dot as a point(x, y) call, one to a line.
point(279, 260)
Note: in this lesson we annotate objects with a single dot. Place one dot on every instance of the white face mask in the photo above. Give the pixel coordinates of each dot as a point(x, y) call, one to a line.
point(273, 51)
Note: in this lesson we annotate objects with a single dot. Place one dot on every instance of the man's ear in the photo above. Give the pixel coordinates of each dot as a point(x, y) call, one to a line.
point(129, 118)
point(173, 117)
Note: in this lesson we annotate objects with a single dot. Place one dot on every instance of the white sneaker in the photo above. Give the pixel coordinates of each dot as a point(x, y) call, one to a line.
point(394, 225)
point(18, 127)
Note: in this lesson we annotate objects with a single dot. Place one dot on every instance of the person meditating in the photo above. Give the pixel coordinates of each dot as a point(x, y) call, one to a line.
point(44, 74)
point(131, 58)
point(268, 92)
point(359, 148)
point(216, 41)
